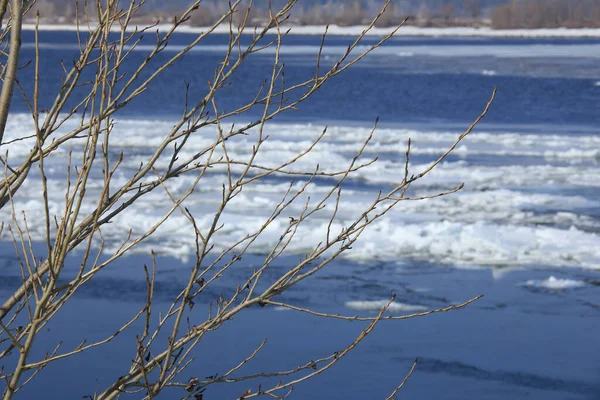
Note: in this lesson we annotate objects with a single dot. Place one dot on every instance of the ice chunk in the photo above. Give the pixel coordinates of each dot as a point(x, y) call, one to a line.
point(554, 283)
point(376, 305)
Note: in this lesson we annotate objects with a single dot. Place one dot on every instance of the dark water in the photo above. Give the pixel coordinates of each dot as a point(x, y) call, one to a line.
point(516, 342)
point(441, 80)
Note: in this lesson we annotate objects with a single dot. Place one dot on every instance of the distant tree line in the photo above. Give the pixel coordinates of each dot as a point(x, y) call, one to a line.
point(355, 12)
point(343, 13)
point(507, 14)
point(534, 14)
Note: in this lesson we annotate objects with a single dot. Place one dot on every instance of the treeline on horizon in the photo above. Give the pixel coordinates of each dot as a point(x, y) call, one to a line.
point(535, 14)
point(498, 14)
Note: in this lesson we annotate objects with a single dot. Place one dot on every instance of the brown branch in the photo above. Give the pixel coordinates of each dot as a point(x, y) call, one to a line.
point(389, 317)
point(392, 396)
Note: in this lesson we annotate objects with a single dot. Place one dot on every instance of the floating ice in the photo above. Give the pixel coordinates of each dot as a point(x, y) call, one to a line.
point(554, 283)
point(539, 213)
point(357, 30)
point(377, 305)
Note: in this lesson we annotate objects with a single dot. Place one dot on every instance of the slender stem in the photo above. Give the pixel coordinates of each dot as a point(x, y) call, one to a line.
point(3, 5)
point(13, 61)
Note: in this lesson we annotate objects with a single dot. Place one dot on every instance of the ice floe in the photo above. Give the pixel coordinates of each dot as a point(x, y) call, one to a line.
point(554, 283)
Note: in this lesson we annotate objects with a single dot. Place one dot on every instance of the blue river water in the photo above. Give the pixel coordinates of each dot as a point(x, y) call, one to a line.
point(524, 232)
